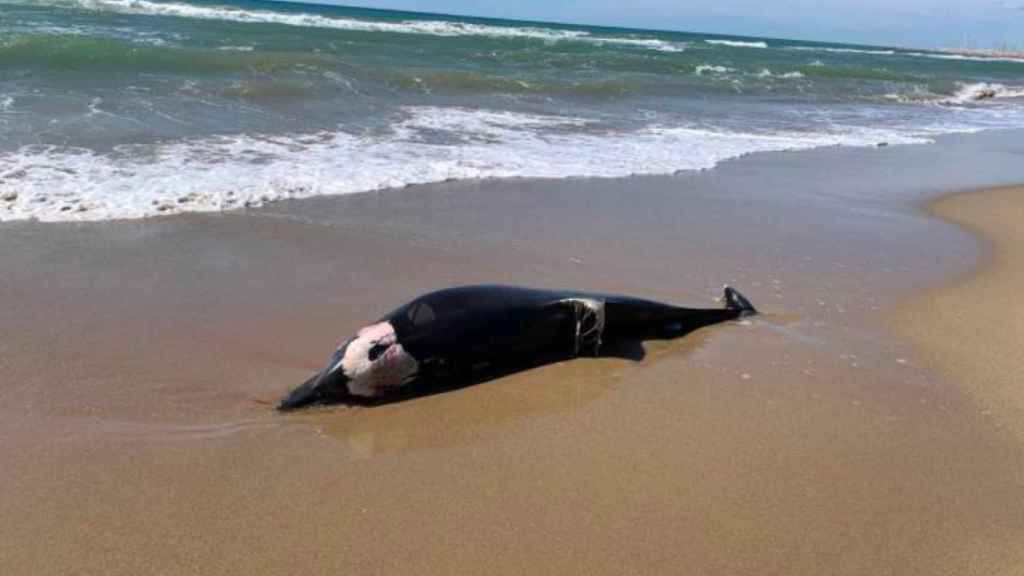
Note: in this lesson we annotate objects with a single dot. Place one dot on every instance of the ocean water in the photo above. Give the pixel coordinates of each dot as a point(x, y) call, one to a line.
point(132, 108)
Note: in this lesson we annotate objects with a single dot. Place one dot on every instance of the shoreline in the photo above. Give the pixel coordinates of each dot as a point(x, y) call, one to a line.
point(143, 359)
point(971, 326)
point(13, 204)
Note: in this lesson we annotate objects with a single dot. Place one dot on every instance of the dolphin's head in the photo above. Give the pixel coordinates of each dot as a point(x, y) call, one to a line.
point(368, 365)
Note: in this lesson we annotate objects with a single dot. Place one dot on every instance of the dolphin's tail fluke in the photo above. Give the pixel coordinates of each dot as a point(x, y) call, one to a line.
point(736, 301)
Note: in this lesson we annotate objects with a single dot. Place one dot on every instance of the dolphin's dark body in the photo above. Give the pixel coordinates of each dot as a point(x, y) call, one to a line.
point(445, 338)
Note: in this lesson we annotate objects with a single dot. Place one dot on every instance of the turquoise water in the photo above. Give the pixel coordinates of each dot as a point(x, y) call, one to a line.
point(128, 108)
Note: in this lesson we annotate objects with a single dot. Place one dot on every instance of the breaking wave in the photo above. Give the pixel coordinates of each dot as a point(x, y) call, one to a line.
point(982, 91)
point(978, 93)
point(441, 28)
point(970, 58)
point(709, 68)
point(134, 181)
point(737, 43)
point(888, 52)
point(842, 50)
point(766, 73)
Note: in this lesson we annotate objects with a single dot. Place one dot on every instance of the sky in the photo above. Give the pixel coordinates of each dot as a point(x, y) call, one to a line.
point(924, 23)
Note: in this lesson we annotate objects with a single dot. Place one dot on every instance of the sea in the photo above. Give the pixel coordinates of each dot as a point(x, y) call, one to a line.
point(114, 109)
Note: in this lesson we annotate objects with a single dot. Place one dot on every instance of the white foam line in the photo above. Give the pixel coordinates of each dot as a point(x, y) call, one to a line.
point(965, 57)
point(978, 94)
point(709, 68)
point(61, 183)
point(738, 43)
point(938, 55)
point(766, 73)
point(428, 27)
point(983, 91)
point(841, 50)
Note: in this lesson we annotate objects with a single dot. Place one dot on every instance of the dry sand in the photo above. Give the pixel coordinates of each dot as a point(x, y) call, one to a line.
point(140, 362)
point(974, 328)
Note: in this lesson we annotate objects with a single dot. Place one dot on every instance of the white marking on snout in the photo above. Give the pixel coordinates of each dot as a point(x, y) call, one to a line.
point(390, 370)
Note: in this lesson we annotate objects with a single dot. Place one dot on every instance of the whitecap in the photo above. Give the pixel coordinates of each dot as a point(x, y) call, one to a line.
point(983, 91)
point(705, 68)
point(738, 43)
point(766, 73)
point(441, 28)
point(134, 181)
point(842, 50)
point(972, 58)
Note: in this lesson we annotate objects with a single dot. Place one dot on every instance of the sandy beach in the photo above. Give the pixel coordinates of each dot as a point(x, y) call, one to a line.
point(142, 360)
point(973, 328)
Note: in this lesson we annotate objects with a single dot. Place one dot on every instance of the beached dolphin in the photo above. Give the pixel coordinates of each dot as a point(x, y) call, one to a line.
point(450, 337)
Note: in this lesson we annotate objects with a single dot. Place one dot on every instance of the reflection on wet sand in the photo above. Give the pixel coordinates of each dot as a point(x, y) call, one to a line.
point(470, 414)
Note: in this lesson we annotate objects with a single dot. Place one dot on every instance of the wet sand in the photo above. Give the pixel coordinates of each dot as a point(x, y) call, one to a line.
point(974, 328)
point(141, 361)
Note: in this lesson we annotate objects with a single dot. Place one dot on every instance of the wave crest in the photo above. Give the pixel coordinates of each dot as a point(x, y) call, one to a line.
point(978, 93)
point(443, 28)
point(737, 43)
point(981, 91)
point(135, 181)
point(710, 68)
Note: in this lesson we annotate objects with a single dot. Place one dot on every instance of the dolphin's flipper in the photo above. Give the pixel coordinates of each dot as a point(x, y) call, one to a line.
point(736, 301)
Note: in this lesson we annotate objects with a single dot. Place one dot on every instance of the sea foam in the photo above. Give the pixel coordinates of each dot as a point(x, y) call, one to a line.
point(134, 181)
point(766, 73)
point(442, 28)
point(951, 56)
point(842, 50)
point(982, 91)
point(713, 69)
point(976, 94)
point(738, 43)
point(885, 52)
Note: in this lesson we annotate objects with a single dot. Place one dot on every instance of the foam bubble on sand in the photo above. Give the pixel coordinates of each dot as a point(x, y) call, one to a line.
point(133, 181)
point(6, 103)
point(428, 27)
point(738, 43)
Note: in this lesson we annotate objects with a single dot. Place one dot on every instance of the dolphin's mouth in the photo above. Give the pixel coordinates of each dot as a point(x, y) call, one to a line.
point(328, 385)
point(304, 395)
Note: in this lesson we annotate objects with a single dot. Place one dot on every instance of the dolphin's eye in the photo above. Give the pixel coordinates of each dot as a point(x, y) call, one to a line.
point(376, 351)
